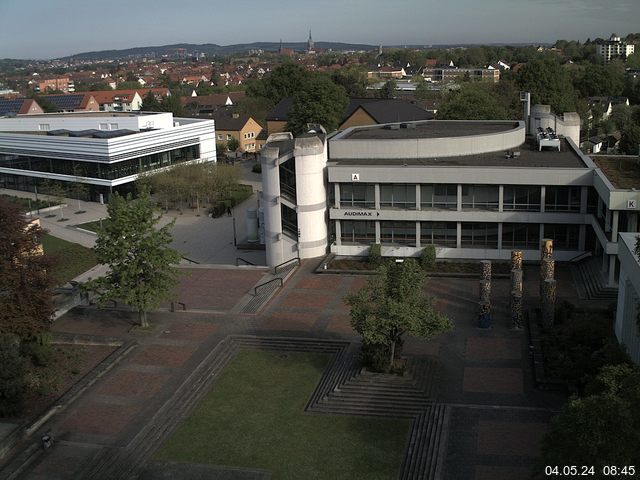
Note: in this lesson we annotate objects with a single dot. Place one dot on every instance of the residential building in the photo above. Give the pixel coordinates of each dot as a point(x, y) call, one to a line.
point(126, 100)
point(19, 106)
point(241, 127)
point(450, 74)
point(614, 48)
point(106, 151)
point(387, 72)
point(73, 102)
point(201, 105)
point(64, 84)
point(372, 111)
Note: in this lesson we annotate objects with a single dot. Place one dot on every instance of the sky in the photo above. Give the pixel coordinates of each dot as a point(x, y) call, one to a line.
point(43, 29)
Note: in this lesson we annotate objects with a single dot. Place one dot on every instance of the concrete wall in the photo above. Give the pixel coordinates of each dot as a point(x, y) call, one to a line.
point(626, 327)
point(568, 125)
point(84, 121)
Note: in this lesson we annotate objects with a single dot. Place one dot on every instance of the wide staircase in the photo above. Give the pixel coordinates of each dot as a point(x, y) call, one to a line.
point(590, 282)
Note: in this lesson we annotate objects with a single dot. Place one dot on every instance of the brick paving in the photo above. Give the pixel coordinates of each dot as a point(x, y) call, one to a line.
point(479, 368)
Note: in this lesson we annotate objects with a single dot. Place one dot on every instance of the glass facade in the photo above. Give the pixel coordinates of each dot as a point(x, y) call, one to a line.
point(289, 221)
point(403, 233)
point(104, 171)
point(400, 195)
point(358, 232)
point(442, 234)
point(480, 197)
point(521, 198)
point(288, 179)
point(443, 197)
point(520, 235)
point(362, 195)
point(479, 235)
point(562, 199)
point(565, 237)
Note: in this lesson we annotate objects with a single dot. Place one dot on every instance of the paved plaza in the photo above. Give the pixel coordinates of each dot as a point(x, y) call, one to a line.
point(496, 416)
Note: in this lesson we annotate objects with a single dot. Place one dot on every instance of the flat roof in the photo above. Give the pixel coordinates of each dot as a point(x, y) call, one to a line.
point(621, 170)
point(86, 114)
point(430, 129)
point(529, 157)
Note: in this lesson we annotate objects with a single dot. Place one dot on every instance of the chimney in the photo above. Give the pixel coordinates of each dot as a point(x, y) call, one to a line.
point(235, 115)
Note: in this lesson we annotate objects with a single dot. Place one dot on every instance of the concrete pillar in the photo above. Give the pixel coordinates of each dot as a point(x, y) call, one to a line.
point(418, 244)
point(418, 197)
point(543, 197)
point(612, 271)
point(582, 237)
point(600, 207)
point(338, 232)
point(516, 280)
point(377, 231)
point(485, 270)
point(459, 197)
point(271, 205)
point(485, 291)
point(633, 222)
point(500, 200)
point(516, 310)
point(546, 248)
point(459, 235)
point(584, 195)
point(541, 232)
point(500, 236)
point(336, 193)
point(376, 189)
point(605, 261)
point(607, 220)
point(516, 259)
point(615, 218)
point(548, 300)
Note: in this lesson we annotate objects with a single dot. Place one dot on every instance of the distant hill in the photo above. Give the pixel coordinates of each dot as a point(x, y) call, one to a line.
point(211, 49)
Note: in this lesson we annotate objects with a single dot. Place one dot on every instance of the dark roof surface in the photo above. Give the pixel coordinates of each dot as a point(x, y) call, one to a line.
point(433, 129)
point(281, 110)
point(225, 121)
point(529, 157)
point(12, 106)
point(388, 110)
point(68, 101)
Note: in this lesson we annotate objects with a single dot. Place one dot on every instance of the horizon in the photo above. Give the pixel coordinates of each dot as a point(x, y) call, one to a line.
point(71, 27)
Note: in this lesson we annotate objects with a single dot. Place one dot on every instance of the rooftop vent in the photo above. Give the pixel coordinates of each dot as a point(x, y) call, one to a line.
point(393, 126)
point(407, 125)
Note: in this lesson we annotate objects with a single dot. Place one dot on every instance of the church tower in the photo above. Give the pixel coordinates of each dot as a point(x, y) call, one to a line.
point(311, 47)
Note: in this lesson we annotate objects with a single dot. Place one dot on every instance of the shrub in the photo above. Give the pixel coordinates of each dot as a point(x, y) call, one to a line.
point(375, 356)
point(257, 168)
point(12, 376)
point(428, 257)
point(375, 255)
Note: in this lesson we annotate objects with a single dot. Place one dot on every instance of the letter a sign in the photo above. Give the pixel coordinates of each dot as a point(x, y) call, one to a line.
point(355, 177)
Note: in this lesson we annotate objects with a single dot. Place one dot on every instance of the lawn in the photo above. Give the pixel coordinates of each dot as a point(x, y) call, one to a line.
point(254, 417)
point(92, 226)
point(69, 259)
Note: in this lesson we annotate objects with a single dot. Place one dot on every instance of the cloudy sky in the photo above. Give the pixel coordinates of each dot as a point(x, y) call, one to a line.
point(55, 28)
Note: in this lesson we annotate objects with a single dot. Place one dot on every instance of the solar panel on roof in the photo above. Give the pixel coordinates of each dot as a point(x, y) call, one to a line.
point(66, 102)
point(10, 106)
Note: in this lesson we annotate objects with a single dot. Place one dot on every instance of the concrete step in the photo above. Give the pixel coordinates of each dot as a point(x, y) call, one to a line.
point(422, 459)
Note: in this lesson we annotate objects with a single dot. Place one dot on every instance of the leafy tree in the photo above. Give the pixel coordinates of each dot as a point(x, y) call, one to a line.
point(472, 102)
point(602, 428)
point(25, 286)
point(171, 103)
point(141, 265)
point(549, 84)
point(282, 82)
point(388, 90)
point(353, 79)
point(630, 140)
point(317, 100)
point(233, 144)
point(633, 61)
point(621, 116)
point(12, 375)
point(150, 103)
point(600, 80)
point(391, 304)
point(129, 85)
point(422, 90)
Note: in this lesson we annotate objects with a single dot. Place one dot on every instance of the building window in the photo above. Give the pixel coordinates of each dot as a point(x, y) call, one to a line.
point(44, 127)
point(357, 195)
point(480, 235)
point(562, 199)
point(228, 137)
point(480, 197)
point(521, 235)
point(443, 234)
point(288, 179)
point(521, 197)
point(289, 221)
point(403, 233)
point(362, 232)
point(104, 126)
point(443, 197)
point(220, 137)
point(565, 237)
point(113, 126)
point(398, 195)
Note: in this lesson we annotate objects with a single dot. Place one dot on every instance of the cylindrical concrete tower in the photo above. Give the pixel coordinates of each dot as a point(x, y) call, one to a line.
point(271, 205)
point(311, 160)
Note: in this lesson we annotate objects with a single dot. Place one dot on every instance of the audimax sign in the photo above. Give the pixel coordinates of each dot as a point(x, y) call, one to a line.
point(360, 214)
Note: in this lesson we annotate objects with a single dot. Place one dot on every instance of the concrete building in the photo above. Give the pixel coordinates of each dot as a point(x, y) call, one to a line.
point(106, 151)
point(626, 326)
point(614, 48)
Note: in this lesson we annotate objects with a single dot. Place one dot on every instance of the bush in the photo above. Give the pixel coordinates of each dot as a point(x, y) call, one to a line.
point(12, 376)
point(375, 255)
point(428, 257)
point(375, 356)
point(257, 168)
point(39, 351)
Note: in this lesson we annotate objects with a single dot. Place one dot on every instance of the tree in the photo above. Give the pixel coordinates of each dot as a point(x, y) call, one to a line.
point(391, 304)
point(150, 103)
point(388, 90)
point(600, 429)
point(317, 100)
point(12, 381)
point(25, 286)
point(78, 187)
point(472, 102)
point(233, 144)
point(353, 79)
point(141, 265)
point(549, 84)
point(630, 140)
point(282, 82)
point(422, 90)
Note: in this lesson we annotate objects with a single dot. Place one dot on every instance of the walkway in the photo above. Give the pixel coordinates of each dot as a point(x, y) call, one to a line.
point(494, 416)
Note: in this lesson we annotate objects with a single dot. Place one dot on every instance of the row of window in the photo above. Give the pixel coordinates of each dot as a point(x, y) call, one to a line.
point(106, 171)
point(474, 197)
point(473, 234)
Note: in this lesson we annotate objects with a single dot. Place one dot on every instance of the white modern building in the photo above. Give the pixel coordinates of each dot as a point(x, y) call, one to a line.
point(627, 327)
point(107, 151)
point(614, 48)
